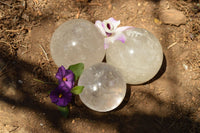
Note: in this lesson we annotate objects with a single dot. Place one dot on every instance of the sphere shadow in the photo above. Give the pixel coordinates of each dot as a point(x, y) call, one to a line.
point(160, 72)
point(158, 75)
point(126, 98)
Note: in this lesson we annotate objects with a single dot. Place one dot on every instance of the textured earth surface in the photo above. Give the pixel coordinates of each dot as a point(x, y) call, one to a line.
point(169, 103)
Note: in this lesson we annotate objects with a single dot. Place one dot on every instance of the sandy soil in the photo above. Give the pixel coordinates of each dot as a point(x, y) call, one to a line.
point(169, 103)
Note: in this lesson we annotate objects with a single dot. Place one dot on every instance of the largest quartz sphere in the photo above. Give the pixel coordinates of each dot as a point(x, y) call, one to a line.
point(139, 58)
point(104, 87)
point(77, 41)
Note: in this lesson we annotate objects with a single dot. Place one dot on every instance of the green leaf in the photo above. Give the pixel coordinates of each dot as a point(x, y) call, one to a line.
point(64, 111)
point(77, 69)
point(77, 90)
point(49, 92)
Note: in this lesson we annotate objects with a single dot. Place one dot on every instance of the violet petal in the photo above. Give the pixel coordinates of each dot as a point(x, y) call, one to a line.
point(62, 84)
point(60, 73)
point(53, 96)
point(65, 98)
point(68, 84)
point(69, 75)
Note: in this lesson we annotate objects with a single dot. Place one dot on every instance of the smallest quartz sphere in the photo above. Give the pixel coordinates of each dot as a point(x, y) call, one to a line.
point(104, 87)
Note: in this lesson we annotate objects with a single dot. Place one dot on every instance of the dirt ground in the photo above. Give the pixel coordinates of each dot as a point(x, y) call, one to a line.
point(169, 103)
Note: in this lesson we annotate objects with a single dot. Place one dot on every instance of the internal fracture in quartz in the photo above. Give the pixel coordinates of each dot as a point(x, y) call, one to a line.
point(139, 58)
point(104, 87)
point(77, 41)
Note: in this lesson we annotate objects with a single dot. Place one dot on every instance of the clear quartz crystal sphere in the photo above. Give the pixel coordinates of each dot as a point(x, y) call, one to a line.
point(77, 41)
point(104, 87)
point(139, 58)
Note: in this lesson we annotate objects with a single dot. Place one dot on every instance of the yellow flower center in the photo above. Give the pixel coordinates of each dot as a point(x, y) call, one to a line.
point(60, 95)
point(64, 79)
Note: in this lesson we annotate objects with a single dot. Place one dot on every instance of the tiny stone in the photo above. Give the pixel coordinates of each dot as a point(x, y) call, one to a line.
point(185, 66)
point(172, 16)
point(13, 107)
point(20, 82)
point(41, 124)
point(193, 99)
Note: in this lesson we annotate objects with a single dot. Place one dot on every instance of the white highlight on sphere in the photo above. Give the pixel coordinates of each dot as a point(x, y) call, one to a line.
point(104, 87)
point(139, 58)
point(77, 41)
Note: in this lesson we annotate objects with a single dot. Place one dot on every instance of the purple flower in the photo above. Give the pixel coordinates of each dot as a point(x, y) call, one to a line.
point(65, 78)
point(60, 96)
point(109, 29)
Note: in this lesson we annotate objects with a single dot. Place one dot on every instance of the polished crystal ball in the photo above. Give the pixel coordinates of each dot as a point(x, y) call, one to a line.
point(139, 58)
point(104, 87)
point(77, 41)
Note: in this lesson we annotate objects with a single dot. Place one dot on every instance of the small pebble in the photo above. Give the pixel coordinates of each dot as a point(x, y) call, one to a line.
point(13, 107)
point(172, 16)
point(41, 124)
point(20, 82)
point(185, 66)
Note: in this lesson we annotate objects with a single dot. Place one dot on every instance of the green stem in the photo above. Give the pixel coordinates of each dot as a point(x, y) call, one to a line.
point(45, 82)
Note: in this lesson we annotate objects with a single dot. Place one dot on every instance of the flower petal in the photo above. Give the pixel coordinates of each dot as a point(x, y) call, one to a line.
point(121, 37)
point(60, 73)
point(61, 102)
point(62, 84)
point(114, 22)
point(123, 28)
point(54, 96)
point(63, 70)
point(59, 77)
point(106, 46)
point(100, 26)
point(67, 97)
point(69, 75)
point(68, 84)
point(106, 43)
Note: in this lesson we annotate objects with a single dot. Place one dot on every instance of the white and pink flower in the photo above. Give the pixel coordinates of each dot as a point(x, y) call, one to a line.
point(109, 28)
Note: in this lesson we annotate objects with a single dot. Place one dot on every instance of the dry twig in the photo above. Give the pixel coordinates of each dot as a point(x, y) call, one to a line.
point(94, 4)
point(15, 30)
point(173, 44)
point(78, 14)
point(45, 53)
point(5, 4)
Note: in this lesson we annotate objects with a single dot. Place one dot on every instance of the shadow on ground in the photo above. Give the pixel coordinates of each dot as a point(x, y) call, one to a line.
point(137, 122)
